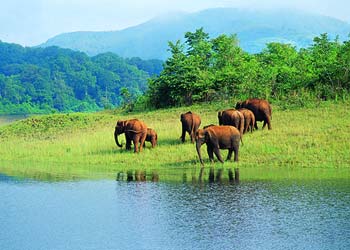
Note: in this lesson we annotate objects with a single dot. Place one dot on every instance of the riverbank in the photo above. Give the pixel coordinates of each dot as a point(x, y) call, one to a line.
point(82, 144)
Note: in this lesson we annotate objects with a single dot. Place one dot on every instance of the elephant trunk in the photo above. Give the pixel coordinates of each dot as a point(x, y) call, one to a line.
point(198, 147)
point(116, 139)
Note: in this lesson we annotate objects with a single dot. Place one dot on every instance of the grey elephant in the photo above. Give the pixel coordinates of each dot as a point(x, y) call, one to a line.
point(190, 123)
point(249, 119)
point(152, 137)
point(216, 138)
point(135, 131)
point(261, 108)
point(232, 117)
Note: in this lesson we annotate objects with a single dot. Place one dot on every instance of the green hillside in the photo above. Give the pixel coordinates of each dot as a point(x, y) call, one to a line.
point(253, 28)
point(52, 79)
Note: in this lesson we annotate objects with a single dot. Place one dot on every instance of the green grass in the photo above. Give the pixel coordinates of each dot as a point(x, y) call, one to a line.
point(82, 145)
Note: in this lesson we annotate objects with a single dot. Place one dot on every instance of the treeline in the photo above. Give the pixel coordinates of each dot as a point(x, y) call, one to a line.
point(202, 69)
point(44, 80)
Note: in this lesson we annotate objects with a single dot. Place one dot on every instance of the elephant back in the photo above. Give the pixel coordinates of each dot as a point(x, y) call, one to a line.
point(229, 117)
point(260, 108)
point(223, 131)
point(191, 120)
point(136, 125)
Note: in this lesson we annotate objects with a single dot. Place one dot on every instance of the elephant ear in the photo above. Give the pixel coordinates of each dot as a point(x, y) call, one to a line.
point(121, 124)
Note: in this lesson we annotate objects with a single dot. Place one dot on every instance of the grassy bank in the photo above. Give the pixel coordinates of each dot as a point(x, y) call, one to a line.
point(83, 144)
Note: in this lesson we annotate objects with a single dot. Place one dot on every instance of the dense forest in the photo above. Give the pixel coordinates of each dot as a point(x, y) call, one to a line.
point(52, 79)
point(203, 69)
point(200, 69)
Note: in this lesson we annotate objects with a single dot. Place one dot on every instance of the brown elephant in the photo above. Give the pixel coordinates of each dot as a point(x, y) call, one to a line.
point(216, 138)
point(232, 117)
point(249, 119)
point(135, 131)
point(152, 137)
point(261, 109)
point(190, 124)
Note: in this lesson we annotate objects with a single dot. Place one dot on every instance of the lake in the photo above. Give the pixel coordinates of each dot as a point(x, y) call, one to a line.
point(6, 119)
point(109, 214)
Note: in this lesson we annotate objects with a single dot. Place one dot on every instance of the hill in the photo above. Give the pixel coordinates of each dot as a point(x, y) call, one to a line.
point(52, 79)
point(253, 28)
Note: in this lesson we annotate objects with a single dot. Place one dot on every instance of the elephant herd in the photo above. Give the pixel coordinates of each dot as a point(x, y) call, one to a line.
point(135, 131)
point(233, 123)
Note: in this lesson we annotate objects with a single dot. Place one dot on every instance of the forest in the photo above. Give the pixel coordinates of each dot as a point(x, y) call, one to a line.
point(201, 69)
point(52, 79)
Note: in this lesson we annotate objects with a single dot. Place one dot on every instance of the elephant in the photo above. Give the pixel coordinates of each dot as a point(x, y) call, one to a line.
point(261, 109)
point(216, 138)
point(152, 137)
point(190, 124)
point(135, 131)
point(232, 117)
point(249, 119)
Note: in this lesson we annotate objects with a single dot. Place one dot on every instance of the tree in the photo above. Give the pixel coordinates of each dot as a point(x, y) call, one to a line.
point(127, 100)
point(324, 59)
point(186, 77)
point(279, 63)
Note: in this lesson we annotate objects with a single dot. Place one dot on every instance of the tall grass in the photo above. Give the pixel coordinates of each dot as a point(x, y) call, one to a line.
point(81, 144)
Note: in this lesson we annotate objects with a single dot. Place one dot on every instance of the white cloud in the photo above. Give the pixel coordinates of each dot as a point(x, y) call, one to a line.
point(33, 22)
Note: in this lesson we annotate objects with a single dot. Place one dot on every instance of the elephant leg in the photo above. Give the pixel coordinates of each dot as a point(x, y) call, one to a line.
point(268, 120)
point(128, 144)
point(218, 155)
point(142, 139)
point(136, 144)
point(210, 153)
point(192, 136)
point(246, 126)
point(183, 134)
point(235, 149)
point(230, 150)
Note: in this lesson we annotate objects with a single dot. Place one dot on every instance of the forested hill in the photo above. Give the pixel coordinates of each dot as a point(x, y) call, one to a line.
point(52, 79)
point(253, 28)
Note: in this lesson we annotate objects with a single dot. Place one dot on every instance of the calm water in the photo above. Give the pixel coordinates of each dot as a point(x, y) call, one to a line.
point(107, 214)
point(6, 119)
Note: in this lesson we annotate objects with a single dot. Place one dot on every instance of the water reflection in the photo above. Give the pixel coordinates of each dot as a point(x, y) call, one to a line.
point(6, 119)
point(213, 175)
point(105, 214)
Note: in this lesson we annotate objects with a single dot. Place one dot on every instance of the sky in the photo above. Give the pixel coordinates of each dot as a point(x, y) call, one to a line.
point(32, 22)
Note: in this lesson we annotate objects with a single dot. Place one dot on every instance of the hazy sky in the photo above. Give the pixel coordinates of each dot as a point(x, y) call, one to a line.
point(31, 22)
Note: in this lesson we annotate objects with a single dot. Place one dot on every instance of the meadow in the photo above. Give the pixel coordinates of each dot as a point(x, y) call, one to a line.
point(81, 145)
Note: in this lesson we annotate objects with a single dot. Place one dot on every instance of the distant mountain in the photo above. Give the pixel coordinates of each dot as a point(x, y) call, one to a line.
point(254, 29)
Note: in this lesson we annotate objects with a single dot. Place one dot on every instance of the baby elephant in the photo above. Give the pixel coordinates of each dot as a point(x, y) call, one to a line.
point(152, 137)
point(216, 138)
